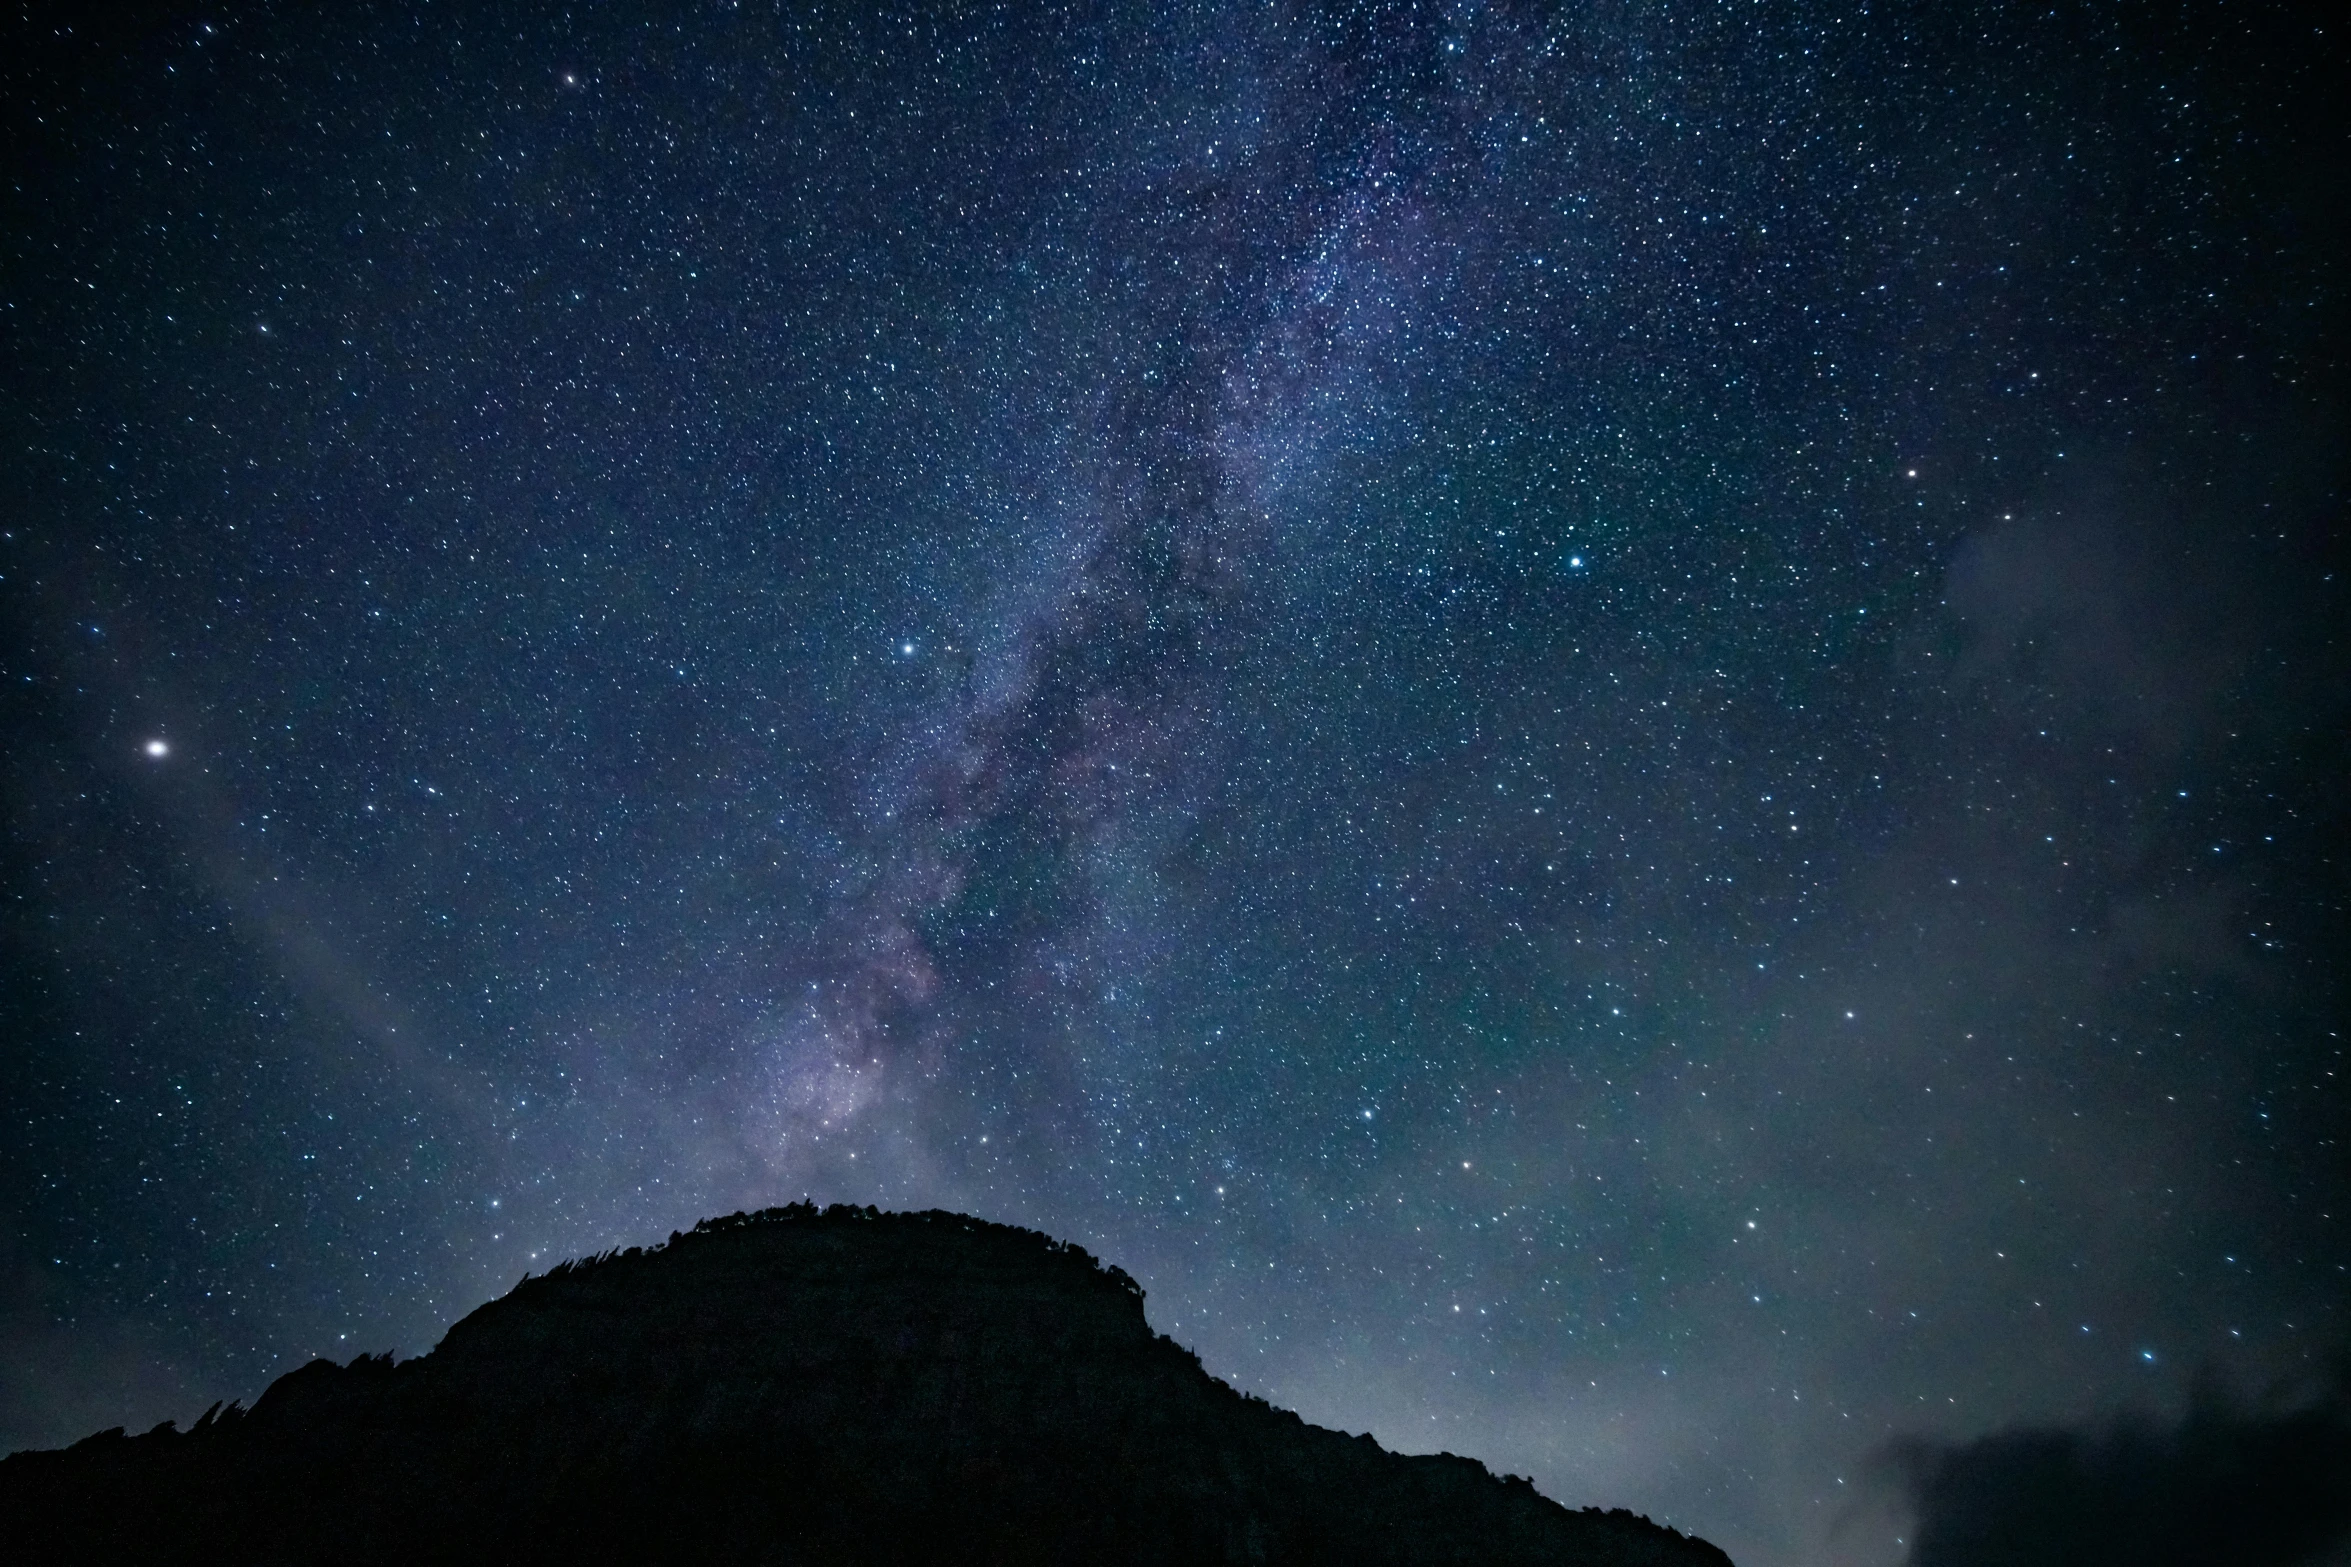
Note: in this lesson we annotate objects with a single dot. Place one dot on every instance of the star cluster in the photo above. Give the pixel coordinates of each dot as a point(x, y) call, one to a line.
point(1616, 735)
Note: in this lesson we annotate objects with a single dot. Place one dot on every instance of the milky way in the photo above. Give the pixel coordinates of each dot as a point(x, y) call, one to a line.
point(1617, 736)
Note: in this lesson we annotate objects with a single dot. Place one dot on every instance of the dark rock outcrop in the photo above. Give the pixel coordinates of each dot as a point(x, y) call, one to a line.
point(793, 1386)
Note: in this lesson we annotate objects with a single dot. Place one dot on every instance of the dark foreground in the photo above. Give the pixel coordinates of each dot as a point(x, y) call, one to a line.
point(793, 1386)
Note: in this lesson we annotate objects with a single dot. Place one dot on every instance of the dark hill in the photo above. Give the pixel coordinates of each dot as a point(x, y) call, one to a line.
point(793, 1386)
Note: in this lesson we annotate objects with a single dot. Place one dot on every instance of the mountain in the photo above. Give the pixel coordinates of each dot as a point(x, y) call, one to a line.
point(793, 1386)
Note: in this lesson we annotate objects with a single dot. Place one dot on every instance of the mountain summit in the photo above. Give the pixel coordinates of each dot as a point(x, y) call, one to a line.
point(794, 1386)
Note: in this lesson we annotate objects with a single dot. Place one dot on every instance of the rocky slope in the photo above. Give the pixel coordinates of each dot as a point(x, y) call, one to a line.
point(793, 1386)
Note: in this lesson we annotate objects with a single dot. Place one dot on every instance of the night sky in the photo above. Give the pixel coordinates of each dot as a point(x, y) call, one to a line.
point(1619, 733)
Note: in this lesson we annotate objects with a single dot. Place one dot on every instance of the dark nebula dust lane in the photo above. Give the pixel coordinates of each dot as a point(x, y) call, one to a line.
point(1617, 734)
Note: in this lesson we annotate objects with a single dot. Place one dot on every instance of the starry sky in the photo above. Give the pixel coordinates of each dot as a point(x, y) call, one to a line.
point(1617, 732)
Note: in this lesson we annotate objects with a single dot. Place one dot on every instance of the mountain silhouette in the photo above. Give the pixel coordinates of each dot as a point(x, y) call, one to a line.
point(793, 1386)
